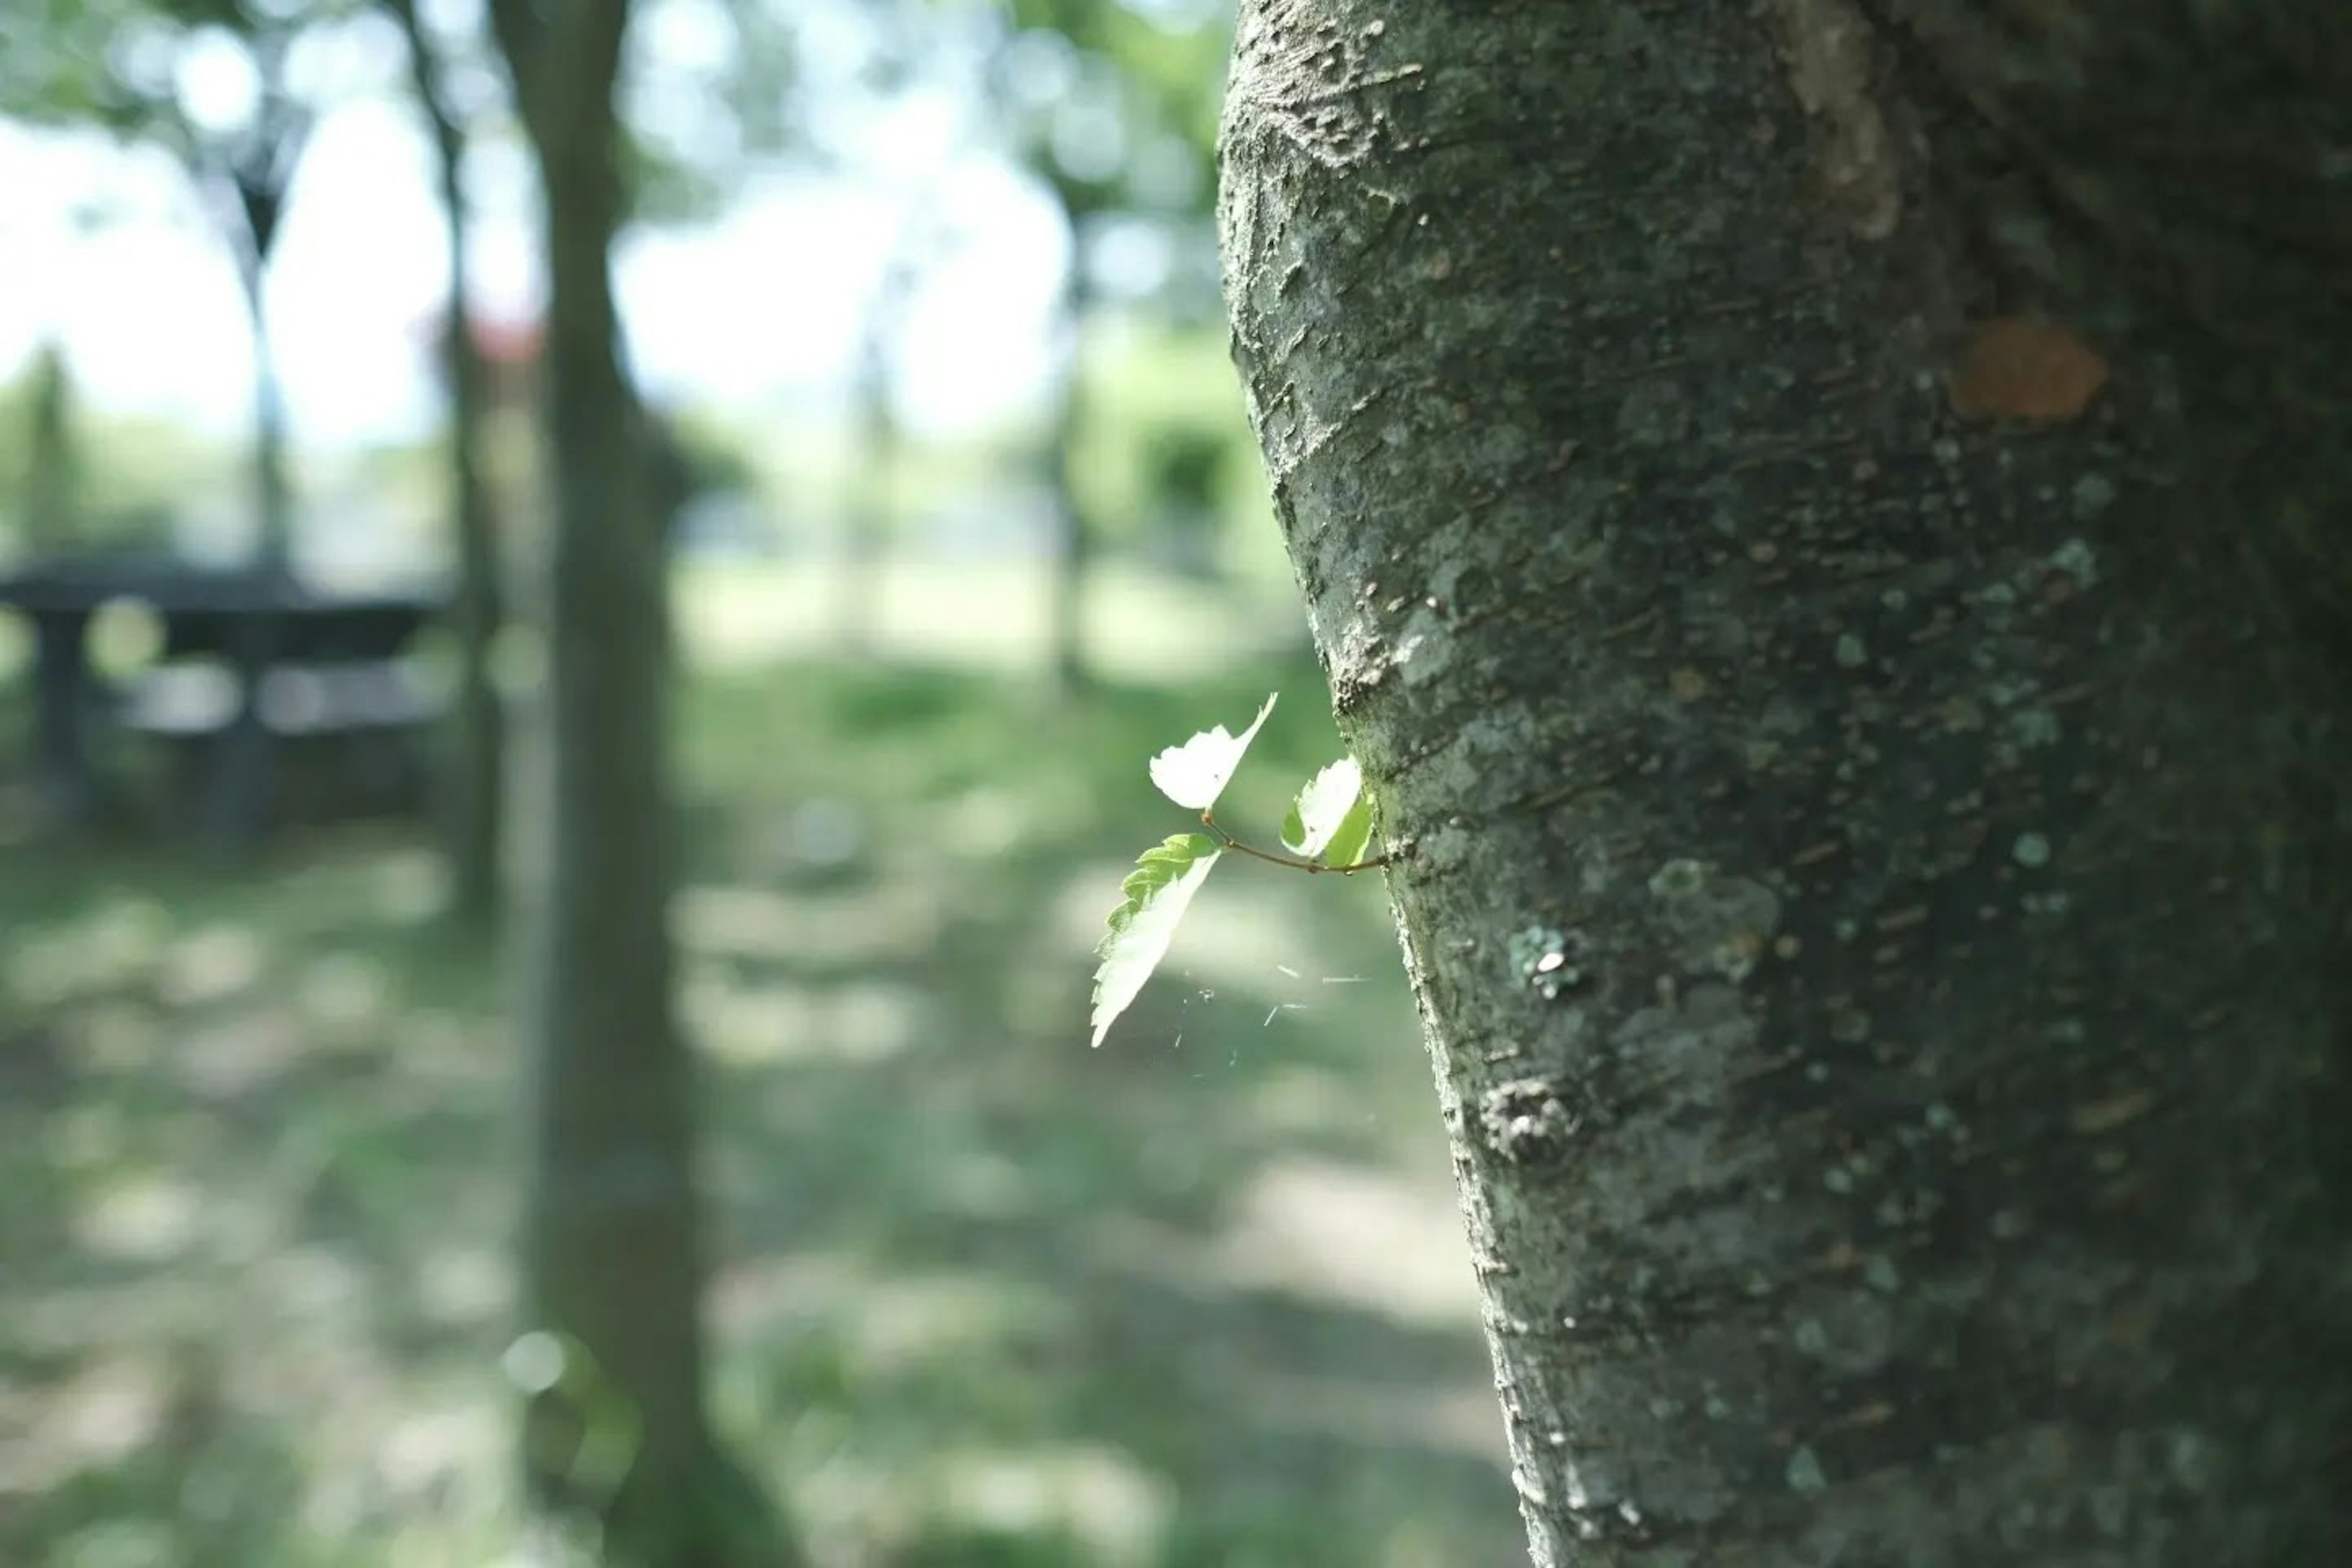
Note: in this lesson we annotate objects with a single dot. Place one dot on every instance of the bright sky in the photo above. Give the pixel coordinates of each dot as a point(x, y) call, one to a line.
point(765, 305)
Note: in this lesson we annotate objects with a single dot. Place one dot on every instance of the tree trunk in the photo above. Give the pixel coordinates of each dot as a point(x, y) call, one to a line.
point(50, 465)
point(477, 777)
point(614, 1250)
point(260, 201)
point(1825, 522)
point(877, 443)
point(1073, 543)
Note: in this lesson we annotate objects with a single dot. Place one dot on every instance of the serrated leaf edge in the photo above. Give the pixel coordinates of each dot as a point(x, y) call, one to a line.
point(1158, 869)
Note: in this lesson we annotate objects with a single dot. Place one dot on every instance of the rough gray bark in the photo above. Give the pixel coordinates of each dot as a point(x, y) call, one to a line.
point(1826, 525)
point(613, 1252)
point(477, 778)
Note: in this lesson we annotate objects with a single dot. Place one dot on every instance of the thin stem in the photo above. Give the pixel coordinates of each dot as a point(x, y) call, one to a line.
point(1310, 867)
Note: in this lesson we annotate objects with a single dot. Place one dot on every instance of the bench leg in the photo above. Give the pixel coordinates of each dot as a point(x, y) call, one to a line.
point(240, 784)
point(61, 695)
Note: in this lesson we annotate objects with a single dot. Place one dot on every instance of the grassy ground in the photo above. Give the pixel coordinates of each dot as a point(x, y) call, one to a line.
point(986, 1297)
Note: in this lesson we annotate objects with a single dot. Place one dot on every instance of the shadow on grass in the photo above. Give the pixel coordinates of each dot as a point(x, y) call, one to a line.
point(984, 1296)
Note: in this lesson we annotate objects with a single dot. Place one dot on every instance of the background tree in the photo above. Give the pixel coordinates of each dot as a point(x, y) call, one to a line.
point(49, 459)
point(477, 782)
point(1114, 109)
point(615, 1260)
point(212, 81)
point(877, 440)
point(1824, 525)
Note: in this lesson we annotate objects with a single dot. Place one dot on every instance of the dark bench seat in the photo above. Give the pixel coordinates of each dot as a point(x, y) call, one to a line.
point(191, 700)
point(332, 689)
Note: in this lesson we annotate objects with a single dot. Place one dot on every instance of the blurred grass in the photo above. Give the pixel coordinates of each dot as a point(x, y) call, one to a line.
point(985, 1297)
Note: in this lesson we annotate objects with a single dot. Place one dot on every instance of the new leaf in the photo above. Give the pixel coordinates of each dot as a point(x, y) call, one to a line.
point(1158, 891)
point(1351, 841)
point(1194, 773)
point(1322, 808)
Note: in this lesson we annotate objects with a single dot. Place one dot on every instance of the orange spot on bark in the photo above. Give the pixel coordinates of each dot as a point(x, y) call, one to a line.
point(2038, 372)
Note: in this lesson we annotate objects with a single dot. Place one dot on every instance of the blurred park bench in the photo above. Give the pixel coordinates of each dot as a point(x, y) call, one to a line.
point(248, 663)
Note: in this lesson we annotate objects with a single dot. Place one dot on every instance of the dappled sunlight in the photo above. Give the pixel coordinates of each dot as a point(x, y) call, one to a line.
point(1102, 1500)
point(46, 962)
point(985, 615)
point(1346, 1234)
point(226, 1058)
point(974, 1283)
point(740, 1024)
point(762, 1024)
point(344, 997)
point(896, 1324)
point(805, 932)
point(140, 1216)
point(99, 1414)
point(1441, 1413)
point(465, 1286)
point(118, 1036)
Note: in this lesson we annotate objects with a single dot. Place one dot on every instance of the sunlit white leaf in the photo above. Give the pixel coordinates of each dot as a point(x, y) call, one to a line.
point(1194, 773)
point(1157, 893)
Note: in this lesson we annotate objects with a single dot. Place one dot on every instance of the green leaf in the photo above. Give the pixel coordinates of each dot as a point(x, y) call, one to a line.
point(1352, 840)
point(1158, 891)
point(1321, 808)
point(1194, 773)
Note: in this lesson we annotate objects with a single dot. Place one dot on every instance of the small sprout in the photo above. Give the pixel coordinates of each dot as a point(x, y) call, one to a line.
point(1851, 653)
point(2032, 850)
point(1805, 1473)
point(1332, 818)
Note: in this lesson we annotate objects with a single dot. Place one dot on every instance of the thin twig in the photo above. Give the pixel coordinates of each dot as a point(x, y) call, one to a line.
point(1310, 867)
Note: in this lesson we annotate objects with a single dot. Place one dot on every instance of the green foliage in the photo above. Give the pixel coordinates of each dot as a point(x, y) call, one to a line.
point(1325, 813)
point(1328, 828)
point(973, 1322)
point(1155, 897)
point(1351, 841)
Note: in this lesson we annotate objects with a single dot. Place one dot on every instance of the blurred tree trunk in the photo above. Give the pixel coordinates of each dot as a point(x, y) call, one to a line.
point(1828, 540)
point(879, 444)
point(477, 778)
point(273, 492)
point(614, 1263)
point(260, 191)
point(236, 811)
point(50, 471)
point(1073, 543)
